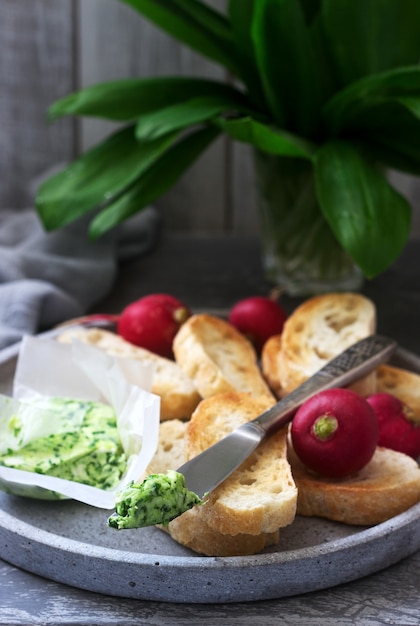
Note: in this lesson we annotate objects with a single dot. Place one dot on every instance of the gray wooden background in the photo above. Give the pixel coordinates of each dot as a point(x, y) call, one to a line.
point(48, 48)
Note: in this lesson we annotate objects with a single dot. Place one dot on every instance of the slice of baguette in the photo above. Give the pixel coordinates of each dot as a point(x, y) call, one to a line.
point(260, 496)
point(387, 486)
point(401, 383)
point(218, 358)
point(317, 331)
point(179, 397)
point(190, 529)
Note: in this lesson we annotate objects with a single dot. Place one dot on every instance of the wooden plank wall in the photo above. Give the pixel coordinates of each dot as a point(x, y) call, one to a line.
point(51, 47)
point(36, 52)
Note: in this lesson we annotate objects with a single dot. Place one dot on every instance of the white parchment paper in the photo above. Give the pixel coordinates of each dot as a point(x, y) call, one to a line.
point(47, 368)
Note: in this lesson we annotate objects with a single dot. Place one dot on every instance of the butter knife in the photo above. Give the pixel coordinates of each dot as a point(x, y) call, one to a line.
point(207, 470)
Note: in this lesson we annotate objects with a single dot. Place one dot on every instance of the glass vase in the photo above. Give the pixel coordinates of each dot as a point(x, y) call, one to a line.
point(301, 255)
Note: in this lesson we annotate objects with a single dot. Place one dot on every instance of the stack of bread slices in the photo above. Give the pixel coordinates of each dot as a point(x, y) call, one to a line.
point(216, 383)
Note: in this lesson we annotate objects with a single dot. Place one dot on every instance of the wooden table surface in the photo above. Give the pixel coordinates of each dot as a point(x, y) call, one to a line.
point(212, 273)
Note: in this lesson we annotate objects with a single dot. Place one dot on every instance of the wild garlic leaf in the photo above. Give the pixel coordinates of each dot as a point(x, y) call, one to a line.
point(155, 181)
point(128, 99)
point(369, 218)
point(358, 105)
point(365, 37)
point(286, 62)
point(266, 138)
point(195, 24)
point(97, 176)
point(185, 114)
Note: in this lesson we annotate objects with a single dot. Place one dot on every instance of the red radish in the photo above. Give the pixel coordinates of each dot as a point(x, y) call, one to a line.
point(335, 433)
point(258, 318)
point(152, 322)
point(398, 427)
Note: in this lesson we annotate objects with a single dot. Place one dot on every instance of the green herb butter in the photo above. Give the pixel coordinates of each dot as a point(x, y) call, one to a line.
point(89, 452)
point(157, 500)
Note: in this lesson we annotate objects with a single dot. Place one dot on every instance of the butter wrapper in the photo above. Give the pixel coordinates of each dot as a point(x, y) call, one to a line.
point(47, 368)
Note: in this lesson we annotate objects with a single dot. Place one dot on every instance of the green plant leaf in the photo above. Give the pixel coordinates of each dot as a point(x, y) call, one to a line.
point(155, 181)
point(241, 14)
point(190, 21)
point(311, 9)
point(399, 139)
point(411, 104)
point(126, 100)
point(96, 177)
point(286, 63)
point(394, 153)
point(368, 217)
point(207, 16)
point(369, 36)
point(185, 114)
point(383, 112)
point(357, 105)
point(325, 67)
point(266, 138)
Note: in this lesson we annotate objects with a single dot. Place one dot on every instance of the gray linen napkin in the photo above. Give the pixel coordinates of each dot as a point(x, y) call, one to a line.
point(46, 278)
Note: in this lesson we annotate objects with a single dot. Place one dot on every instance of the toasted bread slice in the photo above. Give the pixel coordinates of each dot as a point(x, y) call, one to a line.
point(179, 397)
point(218, 358)
point(388, 485)
point(190, 529)
point(260, 496)
point(317, 331)
point(401, 383)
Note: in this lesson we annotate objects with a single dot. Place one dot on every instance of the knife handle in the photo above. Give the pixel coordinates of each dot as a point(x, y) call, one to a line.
point(355, 362)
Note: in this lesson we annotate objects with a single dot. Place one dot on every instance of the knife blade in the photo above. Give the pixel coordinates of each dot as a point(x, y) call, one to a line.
point(209, 469)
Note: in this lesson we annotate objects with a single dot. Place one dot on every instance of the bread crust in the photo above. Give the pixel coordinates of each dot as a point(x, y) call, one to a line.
point(192, 531)
point(177, 392)
point(218, 358)
point(270, 355)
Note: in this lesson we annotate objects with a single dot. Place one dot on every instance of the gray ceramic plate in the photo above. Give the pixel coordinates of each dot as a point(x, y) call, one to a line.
point(70, 543)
